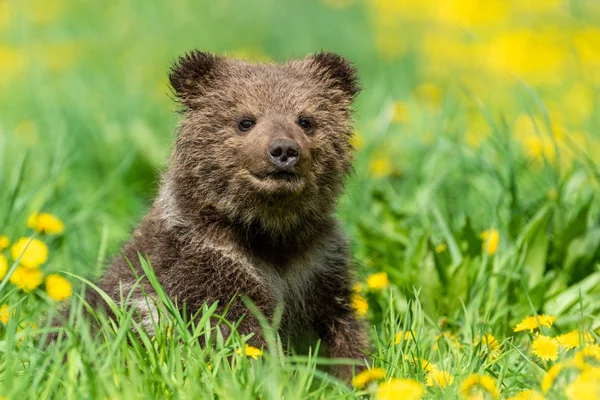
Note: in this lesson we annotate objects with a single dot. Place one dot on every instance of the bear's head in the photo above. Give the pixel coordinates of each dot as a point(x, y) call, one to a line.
point(264, 145)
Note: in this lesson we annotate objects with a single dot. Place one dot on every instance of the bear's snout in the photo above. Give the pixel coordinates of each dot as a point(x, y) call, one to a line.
point(283, 153)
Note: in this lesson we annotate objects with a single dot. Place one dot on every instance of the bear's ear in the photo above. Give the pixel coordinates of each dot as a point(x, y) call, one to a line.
point(191, 73)
point(338, 71)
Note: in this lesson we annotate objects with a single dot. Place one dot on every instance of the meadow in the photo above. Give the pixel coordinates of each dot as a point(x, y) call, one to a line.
point(473, 210)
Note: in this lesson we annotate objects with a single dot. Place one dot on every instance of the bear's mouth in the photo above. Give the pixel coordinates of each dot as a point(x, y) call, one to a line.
point(280, 181)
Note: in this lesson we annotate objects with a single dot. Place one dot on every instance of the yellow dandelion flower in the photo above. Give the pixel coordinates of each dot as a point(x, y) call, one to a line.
point(401, 112)
point(4, 314)
point(357, 141)
point(4, 242)
point(586, 386)
point(367, 376)
point(550, 377)
point(441, 248)
point(571, 340)
point(26, 279)
point(479, 385)
point(33, 254)
point(531, 323)
point(45, 223)
point(453, 340)
point(439, 378)
point(425, 364)
point(406, 335)
point(527, 395)
point(491, 238)
point(360, 304)
point(380, 167)
point(488, 342)
point(357, 288)
point(3, 267)
point(592, 351)
point(545, 348)
point(378, 281)
point(58, 288)
point(251, 351)
point(406, 389)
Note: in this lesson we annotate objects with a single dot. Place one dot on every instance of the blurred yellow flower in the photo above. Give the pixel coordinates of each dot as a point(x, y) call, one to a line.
point(592, 351)
point(439, 378)
point(490, 241)
point(479, 385)
point(550, 377)
point(531, 323)
point(465, 13)
point(4, 314)
point(378, 281)
point(401, 112)
point(488, 342)
point(45, 223)
point(251, 351)
point(33, 254)
point(4, 242)
point(545, 348)
point(405, 389)
point(3, 267)
point(380, 167)
point(441, 247)
point(426, 366)
point(367, 376)
point(12, 63)
point(58, 288)
point(429, 95)
point(357, 140)
point(26, 279)
point(527, 395)
point(357, 288)
point(360, 304)
point(571, 340)
point(404, 335)
point(586, 386)
point(453, 340)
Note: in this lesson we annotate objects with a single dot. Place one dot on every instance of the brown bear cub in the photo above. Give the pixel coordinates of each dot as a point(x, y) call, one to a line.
point(246, 205)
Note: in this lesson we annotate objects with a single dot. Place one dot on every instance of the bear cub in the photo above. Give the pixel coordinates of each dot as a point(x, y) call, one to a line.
point(246, 205)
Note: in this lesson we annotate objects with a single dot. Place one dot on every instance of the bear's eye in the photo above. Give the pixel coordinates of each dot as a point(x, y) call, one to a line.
point(305, 123)
point(246, 124)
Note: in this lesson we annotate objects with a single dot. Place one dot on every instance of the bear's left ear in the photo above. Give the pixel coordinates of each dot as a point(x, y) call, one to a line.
point(338, 71)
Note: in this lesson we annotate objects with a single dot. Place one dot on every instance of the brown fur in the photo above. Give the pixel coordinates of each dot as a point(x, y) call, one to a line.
point(224, 225)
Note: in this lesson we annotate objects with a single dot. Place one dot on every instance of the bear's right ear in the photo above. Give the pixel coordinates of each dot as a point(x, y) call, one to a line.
point(191, 73)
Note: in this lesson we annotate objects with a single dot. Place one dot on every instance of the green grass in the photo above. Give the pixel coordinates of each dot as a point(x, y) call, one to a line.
point(86, 124)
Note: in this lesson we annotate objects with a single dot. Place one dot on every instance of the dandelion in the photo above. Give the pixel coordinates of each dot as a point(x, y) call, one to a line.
point(531, 323)
point(527, 395)
point(26, 279)
point(380, 167)
point(32, 254)
point(367, 376)
point(401, 112)
point(406, 389)
point(45, 223)
point(586, 386)
point(4, 314)
point(550, 377)
point(439, 378)
point(360, 304)
point(378, 281)
point(452, 339)
point(425, 364)
point(3, 267)
point(592, 351)
point(4, 242)
point(571, 340)
point(404, 335)
point(441, 248)
point(490, 241)
point(545, 348)
point(357, 288)
point(58, 288)
point(488, 343)
point(251, 351)
point(479, 385)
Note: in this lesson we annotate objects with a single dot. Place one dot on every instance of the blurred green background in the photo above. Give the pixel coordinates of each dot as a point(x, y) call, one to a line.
point(474, 116)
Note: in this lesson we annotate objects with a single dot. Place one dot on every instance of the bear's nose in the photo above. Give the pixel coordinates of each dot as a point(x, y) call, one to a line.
point(284, 153)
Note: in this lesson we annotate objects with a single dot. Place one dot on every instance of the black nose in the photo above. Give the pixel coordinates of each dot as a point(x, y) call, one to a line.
point(284, 153)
